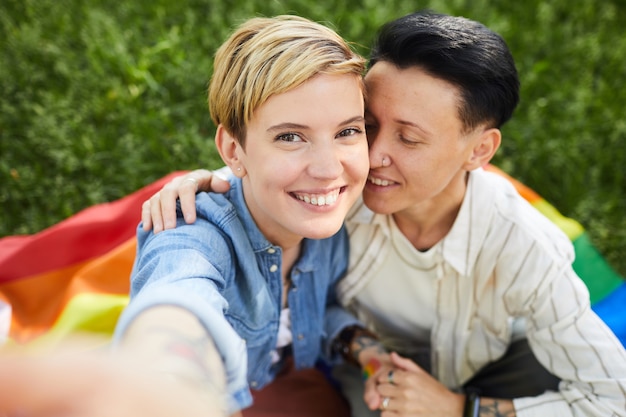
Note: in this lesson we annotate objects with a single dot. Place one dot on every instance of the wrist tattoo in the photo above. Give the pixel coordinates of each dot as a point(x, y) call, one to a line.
point(490, 407)
point(363, 342)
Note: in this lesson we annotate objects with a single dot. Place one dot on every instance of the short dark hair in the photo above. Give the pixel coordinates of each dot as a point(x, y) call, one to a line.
point(460, 51)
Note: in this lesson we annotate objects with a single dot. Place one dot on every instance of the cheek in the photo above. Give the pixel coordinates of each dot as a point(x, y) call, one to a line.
point(281, 170)
point(361, 158)
point(362, 154)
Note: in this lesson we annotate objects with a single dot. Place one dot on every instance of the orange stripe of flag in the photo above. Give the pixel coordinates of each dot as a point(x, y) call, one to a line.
point(38, 301)
point(529, 194)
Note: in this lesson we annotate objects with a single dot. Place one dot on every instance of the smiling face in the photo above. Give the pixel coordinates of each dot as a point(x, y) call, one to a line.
point(412, 121)
point(305, 159)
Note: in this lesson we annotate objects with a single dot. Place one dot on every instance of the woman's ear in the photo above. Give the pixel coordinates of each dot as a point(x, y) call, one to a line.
point(485, 147)
point(230, 150)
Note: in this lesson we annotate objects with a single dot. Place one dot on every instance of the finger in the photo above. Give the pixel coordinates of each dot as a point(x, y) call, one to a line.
point(219, 184)
point(203, 180)
point(388, 390)
point(370, 395)
point(384, 406)
point(155, 213)
point(167, 203)
point(187, 194)
point(210, 181)
point(395, 404)
point(404, 363)
point(392, 376)
point(389, 406)
point(146, 218)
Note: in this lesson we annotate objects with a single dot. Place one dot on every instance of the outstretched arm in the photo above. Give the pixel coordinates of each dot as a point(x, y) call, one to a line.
point(159, 212)
point(158, 372)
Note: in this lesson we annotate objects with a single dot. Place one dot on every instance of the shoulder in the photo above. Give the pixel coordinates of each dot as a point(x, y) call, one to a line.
point(211, 233)
point(523, 250)
point(215, 207)
point(527, 225)
point(523, 223)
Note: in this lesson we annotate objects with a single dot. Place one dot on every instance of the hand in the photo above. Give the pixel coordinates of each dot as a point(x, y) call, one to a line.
point(94, 385)
point(159, 212)
point(413, 392)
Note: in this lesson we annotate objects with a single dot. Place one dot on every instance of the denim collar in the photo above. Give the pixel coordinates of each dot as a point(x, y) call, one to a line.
point(259, 242)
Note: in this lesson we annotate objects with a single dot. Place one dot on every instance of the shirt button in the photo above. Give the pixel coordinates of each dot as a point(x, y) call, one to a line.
point(271, 250)
point(253, 383)
point(273, 268)
point(300, 336)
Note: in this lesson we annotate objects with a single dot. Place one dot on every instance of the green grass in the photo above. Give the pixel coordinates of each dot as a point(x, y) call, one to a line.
point(101, 97)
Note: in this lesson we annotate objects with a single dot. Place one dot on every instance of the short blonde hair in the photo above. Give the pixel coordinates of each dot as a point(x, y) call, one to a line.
point(267, 56)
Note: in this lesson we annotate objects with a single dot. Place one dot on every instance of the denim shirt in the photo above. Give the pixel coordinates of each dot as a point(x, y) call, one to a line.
point(224, 271)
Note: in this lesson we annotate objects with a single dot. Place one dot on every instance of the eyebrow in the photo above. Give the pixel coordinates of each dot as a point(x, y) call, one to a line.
point(287, 125)
point(405, 123)
point(415, 125)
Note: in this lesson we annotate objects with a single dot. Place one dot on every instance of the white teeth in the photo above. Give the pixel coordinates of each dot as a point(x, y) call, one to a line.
point(319, 200)
point(380, 182)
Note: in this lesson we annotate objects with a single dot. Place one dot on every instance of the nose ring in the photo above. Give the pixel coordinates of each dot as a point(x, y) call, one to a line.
point(384, 161)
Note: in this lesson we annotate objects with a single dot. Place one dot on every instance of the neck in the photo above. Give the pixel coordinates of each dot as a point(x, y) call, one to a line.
point(427, 223)
point(290, 255)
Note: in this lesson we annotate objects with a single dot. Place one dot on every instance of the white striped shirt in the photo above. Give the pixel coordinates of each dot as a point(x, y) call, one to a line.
point(501, 263)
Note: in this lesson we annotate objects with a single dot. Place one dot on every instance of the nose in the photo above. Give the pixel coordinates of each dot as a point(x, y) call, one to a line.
point(378, 155)
point(326, 162)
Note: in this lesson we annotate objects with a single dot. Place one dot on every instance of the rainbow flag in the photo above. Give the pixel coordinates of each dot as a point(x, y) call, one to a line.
point(74, 276)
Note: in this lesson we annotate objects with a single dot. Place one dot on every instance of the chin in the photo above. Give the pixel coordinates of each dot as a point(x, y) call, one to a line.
point(324, 230)
point(377, 205)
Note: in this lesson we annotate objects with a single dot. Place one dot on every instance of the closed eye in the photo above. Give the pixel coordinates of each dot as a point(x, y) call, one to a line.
point(409, 142)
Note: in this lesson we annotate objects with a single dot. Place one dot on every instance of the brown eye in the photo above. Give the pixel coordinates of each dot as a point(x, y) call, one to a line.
point(350, 132)
point(289, 137)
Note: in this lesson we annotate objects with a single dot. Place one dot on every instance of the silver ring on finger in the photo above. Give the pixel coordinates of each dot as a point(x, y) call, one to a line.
point(385, 404)
point(192, 179)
